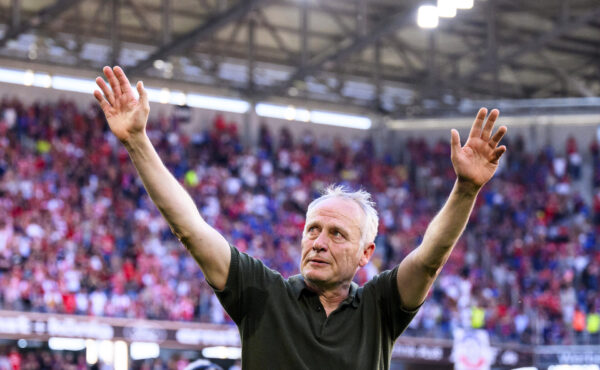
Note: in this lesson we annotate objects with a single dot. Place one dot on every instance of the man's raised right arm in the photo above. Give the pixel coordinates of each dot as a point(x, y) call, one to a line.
point(127, 117)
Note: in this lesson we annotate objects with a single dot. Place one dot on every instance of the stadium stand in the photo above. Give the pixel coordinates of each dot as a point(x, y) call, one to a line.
point(80, 236)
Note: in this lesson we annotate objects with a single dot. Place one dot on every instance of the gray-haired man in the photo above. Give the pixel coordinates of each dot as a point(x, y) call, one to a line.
point(318, 319)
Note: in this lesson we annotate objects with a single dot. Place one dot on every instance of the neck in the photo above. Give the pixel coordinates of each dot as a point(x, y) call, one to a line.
point(330, 297)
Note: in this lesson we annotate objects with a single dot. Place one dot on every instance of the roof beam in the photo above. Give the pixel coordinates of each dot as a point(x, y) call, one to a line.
point(273, 32)
point(568, 78)
point(205, 30)
point(141, 18)
point(346, 48)
point(42, 18)
point(538, 43)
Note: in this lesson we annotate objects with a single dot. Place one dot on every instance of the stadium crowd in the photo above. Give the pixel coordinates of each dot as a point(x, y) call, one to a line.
point(80, 236)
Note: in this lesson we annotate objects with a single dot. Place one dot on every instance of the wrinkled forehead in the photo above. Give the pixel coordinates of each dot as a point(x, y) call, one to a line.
point(342, 210)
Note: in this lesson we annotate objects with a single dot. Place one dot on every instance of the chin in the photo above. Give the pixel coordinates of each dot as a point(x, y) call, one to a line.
point(314, 276)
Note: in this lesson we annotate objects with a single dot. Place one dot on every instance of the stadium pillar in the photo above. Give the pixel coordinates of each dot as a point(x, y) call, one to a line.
point(15, 7)
point(492, 45)
point(115, 32)
point(166, 22)
point(251, 53)
point(381, 135)
point(432, 76)
point(250, 127)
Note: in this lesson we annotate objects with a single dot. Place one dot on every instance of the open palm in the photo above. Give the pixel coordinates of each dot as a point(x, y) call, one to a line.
point(126, 115)
point(477, 161)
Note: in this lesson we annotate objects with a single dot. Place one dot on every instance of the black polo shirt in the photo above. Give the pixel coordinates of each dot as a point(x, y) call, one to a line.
point(283, 325)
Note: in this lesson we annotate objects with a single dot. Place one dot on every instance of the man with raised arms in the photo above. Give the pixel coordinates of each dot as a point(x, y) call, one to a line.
point(319, 319)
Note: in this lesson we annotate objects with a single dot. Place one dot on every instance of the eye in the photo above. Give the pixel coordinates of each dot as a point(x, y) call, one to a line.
point(337, 234)
point(312, 230)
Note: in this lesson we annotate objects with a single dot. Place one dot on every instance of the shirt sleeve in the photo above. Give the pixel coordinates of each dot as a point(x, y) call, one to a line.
point(247, 285)
point(385, 288)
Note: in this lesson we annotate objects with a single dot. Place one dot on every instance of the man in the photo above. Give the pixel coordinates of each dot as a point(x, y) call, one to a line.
point(318, 319)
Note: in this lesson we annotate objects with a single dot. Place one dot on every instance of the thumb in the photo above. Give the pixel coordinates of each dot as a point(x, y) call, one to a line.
point(454, 142)
point(143, 94)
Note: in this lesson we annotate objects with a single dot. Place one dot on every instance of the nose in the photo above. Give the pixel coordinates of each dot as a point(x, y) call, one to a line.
point(320, 243)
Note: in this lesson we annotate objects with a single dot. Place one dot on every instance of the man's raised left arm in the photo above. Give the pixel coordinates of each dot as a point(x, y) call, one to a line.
point(474, 164)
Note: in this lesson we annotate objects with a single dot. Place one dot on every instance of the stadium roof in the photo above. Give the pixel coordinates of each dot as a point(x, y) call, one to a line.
point(366, 53)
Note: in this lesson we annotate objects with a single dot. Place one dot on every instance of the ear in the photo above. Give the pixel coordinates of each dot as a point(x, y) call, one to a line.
point(366, 254)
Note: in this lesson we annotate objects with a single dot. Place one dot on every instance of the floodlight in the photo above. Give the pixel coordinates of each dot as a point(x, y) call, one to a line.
point(463, 4)
point(427, 16)
point(446, 8)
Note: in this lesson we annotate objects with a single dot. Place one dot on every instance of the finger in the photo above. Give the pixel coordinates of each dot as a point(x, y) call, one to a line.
point(498, 152)
point(489, 124)
point(104, 104)
point(106, 90)
point(497, 137)
point(112, 80)
point(142, 92)
point(454, 142)
point(123, 81)
point(478, 124)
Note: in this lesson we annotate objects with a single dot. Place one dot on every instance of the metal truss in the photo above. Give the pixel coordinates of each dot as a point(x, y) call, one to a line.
point(367, 53)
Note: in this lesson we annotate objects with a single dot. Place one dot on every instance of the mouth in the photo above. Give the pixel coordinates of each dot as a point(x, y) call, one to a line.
point(318, 262)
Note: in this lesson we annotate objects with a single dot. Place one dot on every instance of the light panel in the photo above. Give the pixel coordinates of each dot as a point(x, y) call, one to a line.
point(106, 352)
point(164, 96)
point(80, 85)
point(291, 113)
point(28, 78)
point(12, 76)
point(217, 103)
point(42, 80)
point(178, 98)
point(274, 111)
point(121, 358)
point(342, 120)
point(144, 350)
point(91, 352)
point(66, 344)
point(74, 84)
point(222, 352)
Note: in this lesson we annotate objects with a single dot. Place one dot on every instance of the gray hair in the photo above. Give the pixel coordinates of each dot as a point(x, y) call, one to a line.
point(363, 199)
